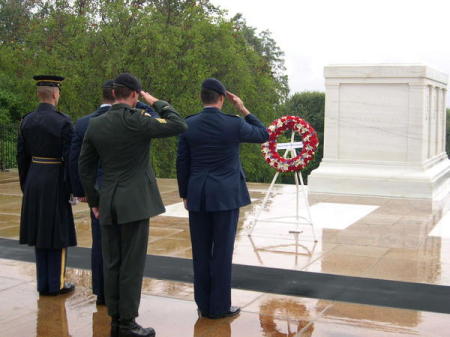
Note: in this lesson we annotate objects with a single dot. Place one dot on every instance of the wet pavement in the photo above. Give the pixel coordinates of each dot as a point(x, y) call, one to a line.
point(392, 239)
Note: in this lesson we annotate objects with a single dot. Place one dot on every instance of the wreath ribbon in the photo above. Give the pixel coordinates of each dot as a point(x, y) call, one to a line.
point(309, 138)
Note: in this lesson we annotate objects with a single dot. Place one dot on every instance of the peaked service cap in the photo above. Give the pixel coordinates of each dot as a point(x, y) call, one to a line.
point(214, 85)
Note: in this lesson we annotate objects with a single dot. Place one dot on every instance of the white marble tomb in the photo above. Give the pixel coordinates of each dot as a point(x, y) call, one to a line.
point(384, 132)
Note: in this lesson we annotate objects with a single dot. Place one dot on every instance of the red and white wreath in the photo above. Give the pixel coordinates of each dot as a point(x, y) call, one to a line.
point(309, 138)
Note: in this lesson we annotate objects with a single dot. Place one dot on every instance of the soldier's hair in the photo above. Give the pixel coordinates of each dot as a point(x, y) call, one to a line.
point(108, 94)
point(122, 92)
point(209, 96)
point(45, 93)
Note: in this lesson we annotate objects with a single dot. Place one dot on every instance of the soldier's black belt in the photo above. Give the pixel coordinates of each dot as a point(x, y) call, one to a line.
point(46, 160)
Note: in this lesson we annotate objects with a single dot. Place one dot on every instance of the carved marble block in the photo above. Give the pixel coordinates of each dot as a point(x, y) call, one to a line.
point(384, 132)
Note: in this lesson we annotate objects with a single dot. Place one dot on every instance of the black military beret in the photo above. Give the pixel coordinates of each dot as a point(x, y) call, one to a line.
point(129, 81)
point(108, 84)
point(214, 85)
point(48, 80)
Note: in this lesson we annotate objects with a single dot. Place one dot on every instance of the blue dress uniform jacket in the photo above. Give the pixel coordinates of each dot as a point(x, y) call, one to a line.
point(210, 176)
point(46, 220)
point(77, 140)
point(209, 170)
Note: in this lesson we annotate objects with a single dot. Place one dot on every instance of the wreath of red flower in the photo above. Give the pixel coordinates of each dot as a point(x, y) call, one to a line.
point(309, 138)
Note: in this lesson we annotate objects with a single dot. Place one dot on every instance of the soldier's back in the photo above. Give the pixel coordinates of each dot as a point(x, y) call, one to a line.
point(42, 131)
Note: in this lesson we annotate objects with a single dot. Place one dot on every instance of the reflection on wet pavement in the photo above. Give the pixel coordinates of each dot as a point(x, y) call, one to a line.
point(169, 308)
point(358, 236)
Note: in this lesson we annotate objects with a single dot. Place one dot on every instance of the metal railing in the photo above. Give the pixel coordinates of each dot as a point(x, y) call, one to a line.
point(8, 141)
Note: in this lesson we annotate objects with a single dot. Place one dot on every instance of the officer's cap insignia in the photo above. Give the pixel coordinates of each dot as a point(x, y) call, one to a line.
point(161, 120)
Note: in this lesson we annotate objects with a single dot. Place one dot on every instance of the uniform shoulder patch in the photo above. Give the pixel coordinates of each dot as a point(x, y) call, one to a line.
point(144, 113)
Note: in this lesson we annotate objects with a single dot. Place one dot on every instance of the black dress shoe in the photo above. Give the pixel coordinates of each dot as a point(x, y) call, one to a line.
point(46, 293)
point(201, 314)
point(234, 311)
point(114, 327)
point(68, 288)
point(130, 328)
point(100, 300)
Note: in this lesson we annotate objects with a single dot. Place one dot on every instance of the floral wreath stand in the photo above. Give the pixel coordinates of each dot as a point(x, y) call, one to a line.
point(290, 155)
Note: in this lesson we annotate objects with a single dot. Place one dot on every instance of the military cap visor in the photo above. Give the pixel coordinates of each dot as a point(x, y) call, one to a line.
point(129, 81)
point(214, 85)
point(108, 84)
point(48, 80)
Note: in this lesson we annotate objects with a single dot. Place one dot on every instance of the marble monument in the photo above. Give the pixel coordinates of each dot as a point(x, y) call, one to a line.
point(384, 132)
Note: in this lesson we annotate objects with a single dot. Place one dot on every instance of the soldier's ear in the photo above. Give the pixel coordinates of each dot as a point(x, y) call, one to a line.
point(55, 94)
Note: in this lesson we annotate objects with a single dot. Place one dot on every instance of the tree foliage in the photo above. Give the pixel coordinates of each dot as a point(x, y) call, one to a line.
point(170, 45)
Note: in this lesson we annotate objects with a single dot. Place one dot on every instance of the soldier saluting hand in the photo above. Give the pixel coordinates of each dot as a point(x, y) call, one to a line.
point(129, 195)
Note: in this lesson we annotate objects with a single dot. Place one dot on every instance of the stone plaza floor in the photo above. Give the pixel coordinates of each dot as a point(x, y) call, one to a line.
point(359, 240)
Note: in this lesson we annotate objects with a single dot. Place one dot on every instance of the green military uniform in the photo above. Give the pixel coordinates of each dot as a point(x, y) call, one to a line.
point(129, 196)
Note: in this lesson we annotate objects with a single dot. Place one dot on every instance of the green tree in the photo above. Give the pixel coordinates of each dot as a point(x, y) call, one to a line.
point(170, 45)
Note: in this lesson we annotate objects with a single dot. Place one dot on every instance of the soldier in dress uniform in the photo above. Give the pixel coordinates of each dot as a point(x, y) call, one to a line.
point(42, 155)
point(212, 184)
point(78, 192)
point(129, 195)
point(77, 188)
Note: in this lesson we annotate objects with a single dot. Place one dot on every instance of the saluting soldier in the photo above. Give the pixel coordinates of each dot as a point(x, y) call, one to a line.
point(77, 188)
point(42, 155)
point(212, 184)
point(78, 192)
point(129, 195)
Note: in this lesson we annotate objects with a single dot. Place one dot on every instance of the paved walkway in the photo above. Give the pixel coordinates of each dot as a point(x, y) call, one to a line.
point(377, 238)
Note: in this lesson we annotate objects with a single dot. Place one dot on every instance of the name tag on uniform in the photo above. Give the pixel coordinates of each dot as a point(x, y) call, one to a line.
point(161, 120)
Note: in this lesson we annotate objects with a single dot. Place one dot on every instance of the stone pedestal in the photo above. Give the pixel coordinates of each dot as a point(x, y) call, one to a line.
point(384, 132)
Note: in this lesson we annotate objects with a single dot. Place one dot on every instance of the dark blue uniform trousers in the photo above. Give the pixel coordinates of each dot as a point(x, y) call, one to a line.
point(212, 237)
point(98, 287)
point(50, 269)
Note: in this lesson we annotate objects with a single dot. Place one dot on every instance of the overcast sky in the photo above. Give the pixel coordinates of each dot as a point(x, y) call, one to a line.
point(315, 33)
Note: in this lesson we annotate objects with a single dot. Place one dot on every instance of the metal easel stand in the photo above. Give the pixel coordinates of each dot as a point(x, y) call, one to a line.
point(297, 219)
